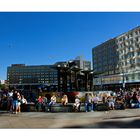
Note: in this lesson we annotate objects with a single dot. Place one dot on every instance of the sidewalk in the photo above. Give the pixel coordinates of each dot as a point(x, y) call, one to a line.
point(129, 118)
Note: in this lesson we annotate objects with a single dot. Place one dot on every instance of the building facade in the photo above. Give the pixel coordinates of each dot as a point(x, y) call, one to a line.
point(49, 76)
point(118, 60)
point(20, 74)
point(82, 64)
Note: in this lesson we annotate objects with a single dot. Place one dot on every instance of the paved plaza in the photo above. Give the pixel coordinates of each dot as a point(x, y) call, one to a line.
point(129, 118)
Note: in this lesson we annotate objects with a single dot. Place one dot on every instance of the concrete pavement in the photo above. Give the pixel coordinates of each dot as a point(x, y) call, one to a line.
point(129, 118)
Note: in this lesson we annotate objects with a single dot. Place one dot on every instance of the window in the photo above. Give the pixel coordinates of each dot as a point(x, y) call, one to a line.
point(138, 53)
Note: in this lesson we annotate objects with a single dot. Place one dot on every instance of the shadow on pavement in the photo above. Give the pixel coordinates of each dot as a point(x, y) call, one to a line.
point(3, 112)
point(111, 124)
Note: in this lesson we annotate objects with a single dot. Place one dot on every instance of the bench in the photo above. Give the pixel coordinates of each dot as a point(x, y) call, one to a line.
point(58, 107)
point(29, 107)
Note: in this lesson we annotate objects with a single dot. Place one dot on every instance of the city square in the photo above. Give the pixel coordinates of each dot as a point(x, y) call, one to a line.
point(58, 77)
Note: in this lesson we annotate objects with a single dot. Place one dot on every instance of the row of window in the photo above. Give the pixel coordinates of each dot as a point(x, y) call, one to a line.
point(117, 79)
point(129, 44)
point(130, 35)
point(130, 62)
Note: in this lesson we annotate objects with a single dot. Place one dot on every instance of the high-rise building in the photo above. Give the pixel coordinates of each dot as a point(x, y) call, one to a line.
point(118, 61)
point(105, 57)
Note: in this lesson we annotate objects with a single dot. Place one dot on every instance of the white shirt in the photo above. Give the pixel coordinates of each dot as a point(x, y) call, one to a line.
point(10, 94)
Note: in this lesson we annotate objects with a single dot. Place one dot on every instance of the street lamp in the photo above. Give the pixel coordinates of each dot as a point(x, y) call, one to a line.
point(123, 81)
point(91, 80)
point(123, 77)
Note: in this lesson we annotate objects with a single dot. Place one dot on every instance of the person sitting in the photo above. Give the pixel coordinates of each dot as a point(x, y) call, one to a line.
point(76, 105)
point(39, 103)
point(23, 103)
point(134, 101)
point(94, 102)
point(44, 103)
point(64, 100)
point(52, 102)
point(120, 102)
point(110, 102)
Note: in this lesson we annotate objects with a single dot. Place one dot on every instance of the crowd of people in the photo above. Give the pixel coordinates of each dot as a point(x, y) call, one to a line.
point(14, 102)
point(115, 100)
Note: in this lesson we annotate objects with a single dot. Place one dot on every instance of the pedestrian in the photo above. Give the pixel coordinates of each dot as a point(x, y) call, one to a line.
point(88, 102)
point(15, 102)
point(9, 100)
point(19, 101)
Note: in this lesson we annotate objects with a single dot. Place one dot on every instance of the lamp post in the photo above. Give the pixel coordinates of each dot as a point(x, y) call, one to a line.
point(91, 80)
point(123, 77)
point(123, 80)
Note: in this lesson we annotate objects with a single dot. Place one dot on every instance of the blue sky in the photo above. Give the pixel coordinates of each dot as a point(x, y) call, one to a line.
point(44, 38)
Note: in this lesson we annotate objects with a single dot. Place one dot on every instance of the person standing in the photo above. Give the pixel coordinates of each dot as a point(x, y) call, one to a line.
point(15, 102)
point(9, 101)
point(19, 101)
point(88, 102)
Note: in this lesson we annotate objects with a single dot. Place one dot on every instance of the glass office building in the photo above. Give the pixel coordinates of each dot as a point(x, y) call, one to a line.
point(118, 60)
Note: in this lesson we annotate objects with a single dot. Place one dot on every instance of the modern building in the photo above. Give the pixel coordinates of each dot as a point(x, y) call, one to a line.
point(38, 76)
point(82, 64)
point(20, 74)
point(118, 61)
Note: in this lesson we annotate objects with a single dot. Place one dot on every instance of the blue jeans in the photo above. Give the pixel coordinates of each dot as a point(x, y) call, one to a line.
point(50, 104)
point(91, 106)
point(15, 103)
